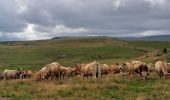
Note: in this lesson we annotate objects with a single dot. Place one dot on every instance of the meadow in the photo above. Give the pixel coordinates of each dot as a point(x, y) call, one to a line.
point(35, 54)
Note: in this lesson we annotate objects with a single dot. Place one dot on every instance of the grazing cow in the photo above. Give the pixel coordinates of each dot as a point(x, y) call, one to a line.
point(104, 69)
point(151, 67)
point(162, 68)
point(26, 74)
point(72, 71)
point(43, 69)
point(52, 70)
point(126, 69)
point(38, 76)
point(1, 75)
point(12, 74)
point(137, 67)
point(114, 68)
point(78, 68)
point(91, 69)
point(64, 71)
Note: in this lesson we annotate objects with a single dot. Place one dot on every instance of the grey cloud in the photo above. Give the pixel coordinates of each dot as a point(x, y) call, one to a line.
point(98, 17)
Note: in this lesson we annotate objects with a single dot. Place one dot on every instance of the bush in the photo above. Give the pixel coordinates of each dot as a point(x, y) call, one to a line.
point(165, 50)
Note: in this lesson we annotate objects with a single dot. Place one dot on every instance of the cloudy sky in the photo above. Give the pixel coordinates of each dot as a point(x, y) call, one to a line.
point(43, 19)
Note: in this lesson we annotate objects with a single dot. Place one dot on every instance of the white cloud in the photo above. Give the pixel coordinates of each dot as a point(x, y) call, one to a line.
point(156, 2)
point(153, 32)
point(64, 29)
point(116, 4)
point(31, 33)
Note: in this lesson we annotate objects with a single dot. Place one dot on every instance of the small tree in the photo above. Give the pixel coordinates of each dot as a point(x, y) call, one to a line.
point(165, 50)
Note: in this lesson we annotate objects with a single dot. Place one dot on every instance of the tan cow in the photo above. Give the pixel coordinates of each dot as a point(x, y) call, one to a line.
point(151, 67)
point(78, 68)
point(91, 69)
point(104, 69)
point(162, 68)
point(26, 74)
point(65, 71)
point(52, 70)
point(12, 74)
point(137, 67)
point(126, 69)
point(114, 68)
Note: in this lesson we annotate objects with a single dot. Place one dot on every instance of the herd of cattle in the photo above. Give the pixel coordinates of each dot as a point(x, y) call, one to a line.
point(55, 71)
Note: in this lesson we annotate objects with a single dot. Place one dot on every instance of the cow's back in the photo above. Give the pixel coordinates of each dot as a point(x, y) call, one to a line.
point(137, 64)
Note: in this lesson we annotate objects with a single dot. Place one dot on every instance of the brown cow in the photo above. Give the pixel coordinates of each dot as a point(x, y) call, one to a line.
point(38, 76)
point(162, 68)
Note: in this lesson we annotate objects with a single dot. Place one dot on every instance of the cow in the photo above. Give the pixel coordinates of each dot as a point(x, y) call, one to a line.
point(151, 67)
point(91, 69)
point(72, 71)
point(26, 74)
point(162, 68)
point(78, 68)
point(43, 69)
point(135, 67)
point(12, 74)
point(126, 69)
point(114, 68)
point(64, 71)
point(38, 76)
point(52, 70)
point(104, 69)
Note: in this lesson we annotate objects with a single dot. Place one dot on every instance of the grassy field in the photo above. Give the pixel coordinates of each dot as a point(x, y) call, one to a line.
point(35, 54)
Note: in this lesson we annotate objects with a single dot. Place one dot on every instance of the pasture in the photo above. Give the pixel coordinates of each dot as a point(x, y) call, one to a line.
point(35, 54)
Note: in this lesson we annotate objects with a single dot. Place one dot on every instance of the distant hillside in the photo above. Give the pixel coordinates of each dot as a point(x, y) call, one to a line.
point(150, 38)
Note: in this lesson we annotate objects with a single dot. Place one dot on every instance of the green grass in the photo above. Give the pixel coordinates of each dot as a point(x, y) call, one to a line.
point(151, 44)
point(110, 87)
point(67, 52)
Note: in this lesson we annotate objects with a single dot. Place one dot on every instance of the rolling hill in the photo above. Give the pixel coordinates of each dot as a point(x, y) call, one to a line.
point(69, 51)
point(149, 38)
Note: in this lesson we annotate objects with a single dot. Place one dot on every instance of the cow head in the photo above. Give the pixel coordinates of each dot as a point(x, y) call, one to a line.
point(19, 71)
point(44, 74)
point(144, 71)
point(122, 67)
